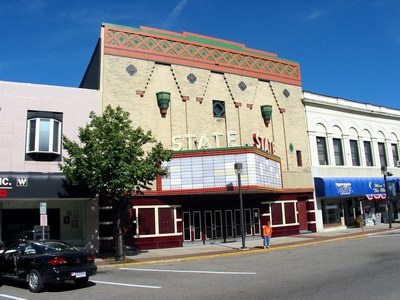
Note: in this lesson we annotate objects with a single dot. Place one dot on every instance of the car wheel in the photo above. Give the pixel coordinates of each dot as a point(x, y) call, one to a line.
point(35, 281)
point(81, 281)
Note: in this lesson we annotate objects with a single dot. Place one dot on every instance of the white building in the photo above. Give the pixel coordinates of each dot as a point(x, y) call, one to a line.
point(349, 143)
point(33, 119)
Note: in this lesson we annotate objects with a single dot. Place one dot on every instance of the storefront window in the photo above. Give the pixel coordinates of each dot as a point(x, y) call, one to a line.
point(331, 211)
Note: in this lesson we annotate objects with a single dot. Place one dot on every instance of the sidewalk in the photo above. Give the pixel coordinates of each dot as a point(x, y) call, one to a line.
point(253, 245)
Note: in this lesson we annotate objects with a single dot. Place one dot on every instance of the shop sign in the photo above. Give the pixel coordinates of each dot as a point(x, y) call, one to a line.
point(344, 188)
point(376, 187)
point(22, 181)
point(263, 143)
point(6, 184)
point(203, 141)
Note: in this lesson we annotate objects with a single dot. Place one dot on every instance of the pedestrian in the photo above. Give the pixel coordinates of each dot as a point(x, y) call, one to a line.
point(266, 233)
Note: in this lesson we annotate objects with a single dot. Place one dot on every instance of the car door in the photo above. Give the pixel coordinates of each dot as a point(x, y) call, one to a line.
point(27, 254)
point(11, 259)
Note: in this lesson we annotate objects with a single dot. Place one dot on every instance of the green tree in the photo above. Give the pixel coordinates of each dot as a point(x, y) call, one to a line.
point(114, 161)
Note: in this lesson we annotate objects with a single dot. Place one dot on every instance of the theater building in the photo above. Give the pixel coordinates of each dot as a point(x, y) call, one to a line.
point(349, 143)
point(33, 191)
point(214, 103)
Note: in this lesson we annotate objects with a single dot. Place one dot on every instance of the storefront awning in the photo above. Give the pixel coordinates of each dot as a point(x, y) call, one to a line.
point(371, 187)
point(32, 185)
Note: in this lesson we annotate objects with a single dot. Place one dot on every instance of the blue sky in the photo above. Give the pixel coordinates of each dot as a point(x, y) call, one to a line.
point(347, 49)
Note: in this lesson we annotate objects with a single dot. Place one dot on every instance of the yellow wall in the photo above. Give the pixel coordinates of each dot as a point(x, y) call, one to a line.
point(194, 117)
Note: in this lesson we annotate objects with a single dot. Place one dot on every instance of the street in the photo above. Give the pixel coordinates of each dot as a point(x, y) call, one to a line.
point(365, 268)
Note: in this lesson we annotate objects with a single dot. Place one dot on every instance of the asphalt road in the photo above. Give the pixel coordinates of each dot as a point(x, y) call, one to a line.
point(366, 268)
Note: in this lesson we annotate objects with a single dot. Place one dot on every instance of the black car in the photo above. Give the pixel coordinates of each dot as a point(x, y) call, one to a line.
point(41, 262)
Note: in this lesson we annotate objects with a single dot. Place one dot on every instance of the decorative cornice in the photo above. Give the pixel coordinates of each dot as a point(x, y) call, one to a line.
point(198, 51)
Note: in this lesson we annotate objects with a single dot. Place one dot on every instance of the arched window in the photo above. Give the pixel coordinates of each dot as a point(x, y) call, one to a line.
point(368, 148)
point(382, 149)
point(354, 149)
point(395, 150)
point(337, 145)
point(322, 145)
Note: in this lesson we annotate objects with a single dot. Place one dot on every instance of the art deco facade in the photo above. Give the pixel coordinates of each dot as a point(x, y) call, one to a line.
point(214, 103)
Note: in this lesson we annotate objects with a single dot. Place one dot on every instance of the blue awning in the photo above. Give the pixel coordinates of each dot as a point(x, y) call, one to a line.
point(371, 187)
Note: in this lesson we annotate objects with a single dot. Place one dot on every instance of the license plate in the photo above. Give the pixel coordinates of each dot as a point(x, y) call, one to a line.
point(78, 274)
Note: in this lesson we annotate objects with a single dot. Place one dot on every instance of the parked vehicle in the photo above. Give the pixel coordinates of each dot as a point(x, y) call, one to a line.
point(41, 262)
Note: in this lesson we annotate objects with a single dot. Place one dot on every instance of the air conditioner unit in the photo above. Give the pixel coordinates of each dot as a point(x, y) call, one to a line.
point(397, 163)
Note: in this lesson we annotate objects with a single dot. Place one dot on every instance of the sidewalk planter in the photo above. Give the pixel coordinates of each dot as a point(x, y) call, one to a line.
point(266, 112)
point(163, 99)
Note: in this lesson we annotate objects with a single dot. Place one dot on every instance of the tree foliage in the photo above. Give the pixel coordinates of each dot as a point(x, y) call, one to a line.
point(113, 160)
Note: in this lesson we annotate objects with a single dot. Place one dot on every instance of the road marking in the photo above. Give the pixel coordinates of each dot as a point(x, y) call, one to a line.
point(11, 297)
point(385, 235)
point(128, 284)
point(188, 271)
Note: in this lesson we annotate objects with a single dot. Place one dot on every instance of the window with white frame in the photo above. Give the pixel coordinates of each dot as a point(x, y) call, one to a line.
point(355, 157)
point(338, 150)
point(368, 154)
point(395, 152)
point(322, 151)
point(382, 154)
point(43, 139)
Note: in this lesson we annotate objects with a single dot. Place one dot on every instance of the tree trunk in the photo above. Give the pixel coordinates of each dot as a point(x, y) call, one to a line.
point(118, 235)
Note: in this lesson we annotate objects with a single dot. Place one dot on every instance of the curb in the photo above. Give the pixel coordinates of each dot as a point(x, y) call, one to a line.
point(237, 252)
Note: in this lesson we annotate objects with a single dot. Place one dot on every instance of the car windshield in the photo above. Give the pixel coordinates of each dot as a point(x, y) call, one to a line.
point(52, 246)
point(26, 234)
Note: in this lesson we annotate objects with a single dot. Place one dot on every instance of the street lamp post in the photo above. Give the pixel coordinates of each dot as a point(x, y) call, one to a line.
point(238, 170)
point(386, 173)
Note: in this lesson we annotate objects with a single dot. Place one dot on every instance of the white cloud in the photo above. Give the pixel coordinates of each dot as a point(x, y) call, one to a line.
point(174, 14)
point(314, 15)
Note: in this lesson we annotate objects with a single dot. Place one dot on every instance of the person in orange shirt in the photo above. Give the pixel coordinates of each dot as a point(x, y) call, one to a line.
point(267, 234)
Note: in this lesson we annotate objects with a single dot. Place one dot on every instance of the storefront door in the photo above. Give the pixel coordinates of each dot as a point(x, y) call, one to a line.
point(331, 209)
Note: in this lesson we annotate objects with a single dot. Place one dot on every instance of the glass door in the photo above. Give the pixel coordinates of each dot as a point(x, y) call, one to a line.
point(218, 224)
point(197, 225)
point(208, 225)
point(229, 223)
point(248, 221)
point(237, 222)
point(187, 232)
point(256, 217)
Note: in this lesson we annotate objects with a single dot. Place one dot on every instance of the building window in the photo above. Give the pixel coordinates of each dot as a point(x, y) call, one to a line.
point(299, 159)
point(355, 157)
point(395, 154)
point(219, 109)
point(322, 151)
point(382, 154)
point(337, 148)
point(43, 140)
point(368, 154)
